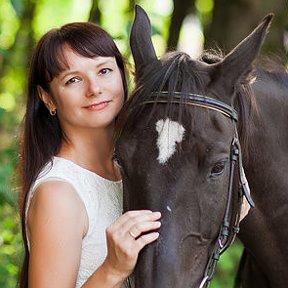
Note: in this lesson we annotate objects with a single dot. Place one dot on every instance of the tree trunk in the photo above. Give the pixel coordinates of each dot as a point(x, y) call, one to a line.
point(131, 6)
point(181, 9)
point(234, 20)
point(17, 60)
point(95, 13)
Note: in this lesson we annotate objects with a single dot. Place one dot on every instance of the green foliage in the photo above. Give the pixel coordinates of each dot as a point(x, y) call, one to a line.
point(6, 171)
point(9, 24)
point(227, 267)
point(205, 10)
point(8, 158)
point(10, 232)
point(54, 13)
point(10, 246)
point(204, 6)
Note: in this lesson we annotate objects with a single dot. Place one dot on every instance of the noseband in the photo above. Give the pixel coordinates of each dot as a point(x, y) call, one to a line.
point(227, 230)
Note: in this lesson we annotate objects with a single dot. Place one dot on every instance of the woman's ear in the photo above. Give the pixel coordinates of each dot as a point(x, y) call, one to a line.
point(46, 98)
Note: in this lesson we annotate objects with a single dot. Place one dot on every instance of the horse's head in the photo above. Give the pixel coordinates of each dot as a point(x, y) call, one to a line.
point(175, 147)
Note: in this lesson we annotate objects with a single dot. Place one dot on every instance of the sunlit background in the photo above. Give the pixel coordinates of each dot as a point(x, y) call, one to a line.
point(114, 18)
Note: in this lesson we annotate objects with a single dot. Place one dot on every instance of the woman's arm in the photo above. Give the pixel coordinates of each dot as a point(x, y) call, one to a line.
point(57, 222)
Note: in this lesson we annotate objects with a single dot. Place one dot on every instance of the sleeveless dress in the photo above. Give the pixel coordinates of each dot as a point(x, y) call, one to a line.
point(103, 202)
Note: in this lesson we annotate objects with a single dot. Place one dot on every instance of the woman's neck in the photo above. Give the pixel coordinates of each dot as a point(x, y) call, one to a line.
point(93, 152)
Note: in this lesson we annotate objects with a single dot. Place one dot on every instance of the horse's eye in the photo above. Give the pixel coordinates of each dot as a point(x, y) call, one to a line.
point(218, 169)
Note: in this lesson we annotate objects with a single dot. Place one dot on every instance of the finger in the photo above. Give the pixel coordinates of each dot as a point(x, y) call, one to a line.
point(132, 220)
point(146, 239)
point(131, 215)
point(136, 230)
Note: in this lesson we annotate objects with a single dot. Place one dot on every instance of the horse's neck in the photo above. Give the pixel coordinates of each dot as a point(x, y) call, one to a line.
point(271, 92)
point(266, 172)
point(271, 86)
point(269, 134)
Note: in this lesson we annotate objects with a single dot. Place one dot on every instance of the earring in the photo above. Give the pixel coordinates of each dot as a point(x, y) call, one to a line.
point(52, 112)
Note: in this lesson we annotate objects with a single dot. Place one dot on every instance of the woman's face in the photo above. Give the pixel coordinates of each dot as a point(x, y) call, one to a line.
point(88, 94)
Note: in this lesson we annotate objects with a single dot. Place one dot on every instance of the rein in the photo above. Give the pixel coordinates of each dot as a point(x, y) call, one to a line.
point(228, 231)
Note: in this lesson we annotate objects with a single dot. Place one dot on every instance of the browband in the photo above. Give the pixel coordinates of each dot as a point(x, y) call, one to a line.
point(192, 99)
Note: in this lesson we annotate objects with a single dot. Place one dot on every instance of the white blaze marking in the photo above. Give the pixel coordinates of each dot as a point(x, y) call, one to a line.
point(169, 133)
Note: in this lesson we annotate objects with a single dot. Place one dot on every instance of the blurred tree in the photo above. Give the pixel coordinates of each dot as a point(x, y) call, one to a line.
point(181, 9)
point(226, 23)
point(12, 83)
point(19, 52)
point(131, 5)
point(95, 13)
point(15, 62)
point(234, 20)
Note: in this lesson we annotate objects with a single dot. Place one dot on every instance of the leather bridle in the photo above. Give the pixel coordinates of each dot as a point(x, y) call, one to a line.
point(227, 230)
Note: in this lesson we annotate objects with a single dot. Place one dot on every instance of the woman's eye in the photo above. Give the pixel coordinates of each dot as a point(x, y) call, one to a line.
point(105, 71)
point(218, 169)
point(72, 80)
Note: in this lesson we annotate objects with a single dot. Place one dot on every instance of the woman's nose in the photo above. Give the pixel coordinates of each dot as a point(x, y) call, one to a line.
point(94, 88)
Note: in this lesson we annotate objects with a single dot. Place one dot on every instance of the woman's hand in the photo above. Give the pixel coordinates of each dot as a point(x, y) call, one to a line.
point(126, 237)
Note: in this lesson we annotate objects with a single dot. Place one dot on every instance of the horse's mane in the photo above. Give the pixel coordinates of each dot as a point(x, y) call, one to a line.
point(272, 68)
point(176, 71)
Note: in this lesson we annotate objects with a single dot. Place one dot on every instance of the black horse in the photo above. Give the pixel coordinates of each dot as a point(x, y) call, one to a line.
point(180, 153)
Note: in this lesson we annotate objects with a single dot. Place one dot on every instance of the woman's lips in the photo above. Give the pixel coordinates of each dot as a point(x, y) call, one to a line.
point(98, 106)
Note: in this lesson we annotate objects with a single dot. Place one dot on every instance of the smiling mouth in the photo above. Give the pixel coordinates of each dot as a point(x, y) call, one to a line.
point(98, 106)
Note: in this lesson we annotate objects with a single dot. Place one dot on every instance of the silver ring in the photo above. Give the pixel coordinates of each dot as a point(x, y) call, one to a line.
point(132, 235)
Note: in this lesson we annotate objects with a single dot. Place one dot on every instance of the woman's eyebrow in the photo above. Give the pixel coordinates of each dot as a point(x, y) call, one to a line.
point(68, 72)
point(106, 61)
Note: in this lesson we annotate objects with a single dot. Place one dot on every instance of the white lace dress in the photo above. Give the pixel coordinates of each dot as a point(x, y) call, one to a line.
point(103, 201)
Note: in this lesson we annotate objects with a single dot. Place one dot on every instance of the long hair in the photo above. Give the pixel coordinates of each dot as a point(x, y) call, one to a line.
point(42, 134)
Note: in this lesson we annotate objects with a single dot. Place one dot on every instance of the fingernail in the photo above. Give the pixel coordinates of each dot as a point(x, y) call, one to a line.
point(156, 234)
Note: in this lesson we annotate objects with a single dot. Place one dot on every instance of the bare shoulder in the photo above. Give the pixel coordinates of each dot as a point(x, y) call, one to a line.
point(55, 192)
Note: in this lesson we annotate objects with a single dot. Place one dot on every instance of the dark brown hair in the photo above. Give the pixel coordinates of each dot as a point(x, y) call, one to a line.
point(42, 134)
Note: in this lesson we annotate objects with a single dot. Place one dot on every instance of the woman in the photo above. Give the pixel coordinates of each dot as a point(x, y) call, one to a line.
point(72, 190)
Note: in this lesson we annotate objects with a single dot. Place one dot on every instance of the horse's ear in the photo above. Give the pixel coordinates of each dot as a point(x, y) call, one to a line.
point(140, 40)
point(238, 62)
